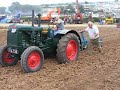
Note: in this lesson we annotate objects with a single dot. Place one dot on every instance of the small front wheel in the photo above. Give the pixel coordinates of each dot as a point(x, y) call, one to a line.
point(32, 59)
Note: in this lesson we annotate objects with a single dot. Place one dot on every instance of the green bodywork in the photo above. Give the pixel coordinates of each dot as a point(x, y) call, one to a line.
point(21, 37)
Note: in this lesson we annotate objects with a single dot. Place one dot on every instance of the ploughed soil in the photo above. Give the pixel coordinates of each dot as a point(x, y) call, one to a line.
point(99, 71)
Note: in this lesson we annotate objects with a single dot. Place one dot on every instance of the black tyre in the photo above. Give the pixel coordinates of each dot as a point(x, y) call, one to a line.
point(68, 48)
point(32, 59)
point(7, 58)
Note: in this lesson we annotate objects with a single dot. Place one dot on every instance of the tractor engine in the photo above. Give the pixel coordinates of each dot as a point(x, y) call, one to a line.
point(19, 38)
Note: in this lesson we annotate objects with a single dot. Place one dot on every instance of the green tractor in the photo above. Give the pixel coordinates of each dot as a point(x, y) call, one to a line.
point(29, 44)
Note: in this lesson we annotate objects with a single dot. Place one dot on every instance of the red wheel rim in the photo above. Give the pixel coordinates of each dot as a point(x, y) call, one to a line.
point(71, 50)
point(8, 57)
point(34, 60)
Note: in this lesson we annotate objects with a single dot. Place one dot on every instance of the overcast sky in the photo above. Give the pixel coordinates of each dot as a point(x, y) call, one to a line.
point(38, 2)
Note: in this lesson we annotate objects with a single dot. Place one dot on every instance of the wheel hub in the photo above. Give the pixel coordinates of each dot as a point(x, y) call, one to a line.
point(34, 60)
point(71, 50)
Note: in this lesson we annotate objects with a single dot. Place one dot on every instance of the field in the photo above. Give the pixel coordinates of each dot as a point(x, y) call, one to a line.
point(100, 71)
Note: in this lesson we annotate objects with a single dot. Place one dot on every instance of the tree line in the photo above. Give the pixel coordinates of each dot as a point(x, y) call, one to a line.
point(16, 8)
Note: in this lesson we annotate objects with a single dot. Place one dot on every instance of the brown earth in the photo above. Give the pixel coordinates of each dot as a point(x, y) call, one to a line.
point(95, 72)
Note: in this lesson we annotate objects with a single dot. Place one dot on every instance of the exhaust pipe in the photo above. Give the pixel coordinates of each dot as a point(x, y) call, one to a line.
point(33, 18)
point(39, 19)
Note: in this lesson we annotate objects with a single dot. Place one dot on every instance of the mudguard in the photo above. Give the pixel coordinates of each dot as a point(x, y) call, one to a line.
point(61, 32)
point(65, 31)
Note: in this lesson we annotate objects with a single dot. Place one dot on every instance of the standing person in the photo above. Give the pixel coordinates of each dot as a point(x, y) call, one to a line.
point(65, 20)
point(70, 19)
point(93, 33)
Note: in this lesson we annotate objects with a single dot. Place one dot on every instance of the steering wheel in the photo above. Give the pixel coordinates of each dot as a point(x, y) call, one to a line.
point(52, 25)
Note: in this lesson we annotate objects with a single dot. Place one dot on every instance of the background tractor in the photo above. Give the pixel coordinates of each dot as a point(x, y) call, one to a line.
point(109, 20)
point(29, 44)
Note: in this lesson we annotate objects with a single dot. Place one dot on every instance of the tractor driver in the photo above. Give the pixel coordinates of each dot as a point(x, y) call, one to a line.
point(59, 23)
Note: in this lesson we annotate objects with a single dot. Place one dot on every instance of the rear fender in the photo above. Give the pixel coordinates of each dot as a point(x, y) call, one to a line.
point(65, 31)
point(62, 32)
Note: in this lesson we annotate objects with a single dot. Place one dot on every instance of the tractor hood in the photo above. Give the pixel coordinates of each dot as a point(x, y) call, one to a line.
point(13, 28)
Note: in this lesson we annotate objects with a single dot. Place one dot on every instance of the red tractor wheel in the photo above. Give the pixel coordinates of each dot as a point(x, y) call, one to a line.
point(7, 58)
point(68, 48)
point(32, 59)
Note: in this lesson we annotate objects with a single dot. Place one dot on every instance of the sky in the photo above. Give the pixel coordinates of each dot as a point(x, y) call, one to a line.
point(7, 3)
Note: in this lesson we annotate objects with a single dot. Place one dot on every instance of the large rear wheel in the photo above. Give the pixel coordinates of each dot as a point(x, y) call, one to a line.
point(32, 59)
point(68, 48)
point(7, 58)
